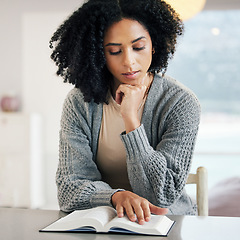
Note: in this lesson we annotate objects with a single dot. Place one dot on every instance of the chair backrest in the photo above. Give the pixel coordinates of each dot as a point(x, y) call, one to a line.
point(200, 178)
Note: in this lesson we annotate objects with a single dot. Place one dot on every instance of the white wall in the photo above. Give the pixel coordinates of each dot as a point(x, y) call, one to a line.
point(10, 47)
point(43, 92)
point(26, 69)
point(11, 12)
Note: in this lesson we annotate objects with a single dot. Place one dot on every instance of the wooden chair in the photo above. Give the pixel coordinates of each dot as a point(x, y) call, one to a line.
point(200, 178)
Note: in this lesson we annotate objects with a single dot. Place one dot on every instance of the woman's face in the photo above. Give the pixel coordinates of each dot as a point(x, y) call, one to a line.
point(128, 52)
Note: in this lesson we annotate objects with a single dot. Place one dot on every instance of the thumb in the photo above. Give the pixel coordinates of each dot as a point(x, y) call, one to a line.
point(118, 97)
point(157, 210)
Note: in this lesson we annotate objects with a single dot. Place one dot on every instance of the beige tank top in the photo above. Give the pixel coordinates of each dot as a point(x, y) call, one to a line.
point(111, 154)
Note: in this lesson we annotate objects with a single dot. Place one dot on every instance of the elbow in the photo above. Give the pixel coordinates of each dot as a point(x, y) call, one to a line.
point(65, 208)
point(166, 199)
point(65, 200)
point(64, 204)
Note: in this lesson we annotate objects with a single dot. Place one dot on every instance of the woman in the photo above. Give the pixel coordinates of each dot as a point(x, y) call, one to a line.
point(127, 131)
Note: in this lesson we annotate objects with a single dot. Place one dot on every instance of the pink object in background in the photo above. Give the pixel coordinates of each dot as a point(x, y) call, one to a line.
point(224, 198)
point(10, 103)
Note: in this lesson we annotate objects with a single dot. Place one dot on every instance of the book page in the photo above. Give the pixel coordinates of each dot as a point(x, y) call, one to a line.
point(158, 225)
point(95, 217)
point(103, 214)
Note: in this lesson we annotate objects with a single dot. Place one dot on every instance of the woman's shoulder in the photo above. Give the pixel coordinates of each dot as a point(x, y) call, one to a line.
point(172, 94)
point(75, 94)
point(75, 100)
point(176, 99)
point(173, 88)
point(170, 83)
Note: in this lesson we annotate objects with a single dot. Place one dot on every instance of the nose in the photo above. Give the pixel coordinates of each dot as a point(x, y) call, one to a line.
point(128, 58)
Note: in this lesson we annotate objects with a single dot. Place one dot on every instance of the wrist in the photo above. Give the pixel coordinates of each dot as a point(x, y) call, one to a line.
point(114, 197)
point(131, 123)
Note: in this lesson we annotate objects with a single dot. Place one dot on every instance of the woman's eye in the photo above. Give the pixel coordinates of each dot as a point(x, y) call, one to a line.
point(115, 52)
point(118, 52)
point(138, 48)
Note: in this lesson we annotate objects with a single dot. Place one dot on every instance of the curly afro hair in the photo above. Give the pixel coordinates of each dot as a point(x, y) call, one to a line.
point(78, 43)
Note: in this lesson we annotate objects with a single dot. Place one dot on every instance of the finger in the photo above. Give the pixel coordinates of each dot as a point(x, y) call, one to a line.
point(120, 211)
point(146, 211)
point(139, 214)
point(142, 81)
point(157, 210)
point(118, 97)
point(130, 213)
point(120, 92)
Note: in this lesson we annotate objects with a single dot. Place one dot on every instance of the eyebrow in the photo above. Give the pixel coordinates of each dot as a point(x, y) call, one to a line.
point(119, 44)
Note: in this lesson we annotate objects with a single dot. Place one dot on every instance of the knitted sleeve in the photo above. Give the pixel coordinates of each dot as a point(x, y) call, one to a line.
point(160, 174)
point(78, 179)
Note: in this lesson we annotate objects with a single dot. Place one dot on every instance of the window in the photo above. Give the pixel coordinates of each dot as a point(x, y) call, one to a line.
point(207, 61)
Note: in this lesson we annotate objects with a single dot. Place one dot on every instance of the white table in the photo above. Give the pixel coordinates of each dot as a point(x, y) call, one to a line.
point(23, 224)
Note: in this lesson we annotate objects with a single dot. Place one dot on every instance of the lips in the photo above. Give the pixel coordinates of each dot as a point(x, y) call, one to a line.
point(131, 75)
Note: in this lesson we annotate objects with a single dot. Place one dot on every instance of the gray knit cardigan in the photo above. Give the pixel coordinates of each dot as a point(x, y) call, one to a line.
point(159, 152)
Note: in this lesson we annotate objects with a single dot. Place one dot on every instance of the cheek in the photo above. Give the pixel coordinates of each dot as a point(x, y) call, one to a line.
point(111, 64)
point(147, 60)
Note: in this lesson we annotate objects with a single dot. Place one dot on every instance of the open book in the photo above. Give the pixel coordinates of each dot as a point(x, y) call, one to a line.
point(104, 219)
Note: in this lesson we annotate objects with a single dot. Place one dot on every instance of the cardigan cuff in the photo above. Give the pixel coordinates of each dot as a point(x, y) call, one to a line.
point(104, 197)
point(136, 143)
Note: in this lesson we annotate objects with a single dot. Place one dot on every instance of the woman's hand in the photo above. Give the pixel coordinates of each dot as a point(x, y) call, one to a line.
point(130, 98)
point(136, 208)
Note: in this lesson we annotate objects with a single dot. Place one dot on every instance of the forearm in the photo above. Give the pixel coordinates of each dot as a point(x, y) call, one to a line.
point(131, 123)
point(82, 194)
point(78, 178)
point(155, 174)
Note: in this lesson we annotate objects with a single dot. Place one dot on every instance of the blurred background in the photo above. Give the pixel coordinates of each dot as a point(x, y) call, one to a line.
point(207, 61)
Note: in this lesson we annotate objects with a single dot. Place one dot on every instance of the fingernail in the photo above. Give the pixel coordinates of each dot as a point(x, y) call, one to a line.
point(133, 219)
point(147, 219)
point(141, 222)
